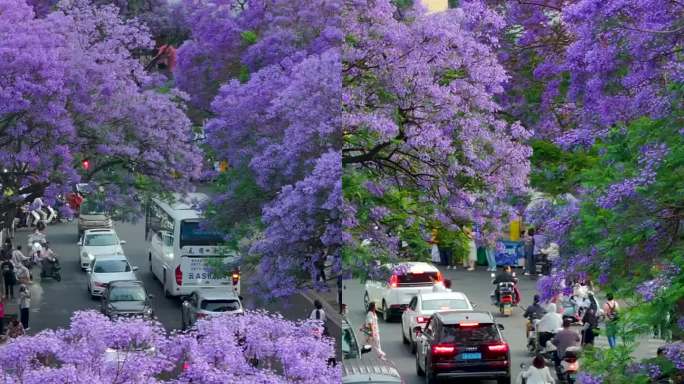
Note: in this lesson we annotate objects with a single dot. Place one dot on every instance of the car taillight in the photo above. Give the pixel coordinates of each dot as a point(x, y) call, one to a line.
point(421, 319)
point(439, 277)
point(468, 324)
point(236, 276)
point(498, 348)
point(179, 276)
point(394, 281)
point(443, 350)
point(506, 299)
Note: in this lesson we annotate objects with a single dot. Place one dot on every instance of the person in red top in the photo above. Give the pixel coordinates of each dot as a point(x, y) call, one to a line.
point(74, 200)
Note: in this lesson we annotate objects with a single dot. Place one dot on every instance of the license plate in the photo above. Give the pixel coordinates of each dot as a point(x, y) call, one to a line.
point(471, 356)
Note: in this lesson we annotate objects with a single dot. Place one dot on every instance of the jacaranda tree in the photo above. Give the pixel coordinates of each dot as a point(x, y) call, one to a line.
point(70, 92)
point(267, 73)
point(256, 347)
point(425, 143)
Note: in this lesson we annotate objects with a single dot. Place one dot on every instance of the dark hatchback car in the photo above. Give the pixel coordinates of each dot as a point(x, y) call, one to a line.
point(463, 345)
point(126, 298)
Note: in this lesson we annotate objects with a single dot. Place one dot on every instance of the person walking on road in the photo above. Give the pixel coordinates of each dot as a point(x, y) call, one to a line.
point(24, 305)
point(9, 278)
point(538, 372)
point(18, 256)
point(319, 314)
point(490, 251)
point(372, 331)
point(471, 257)
point(589, 324)
point(530, 264)
point(610, 309)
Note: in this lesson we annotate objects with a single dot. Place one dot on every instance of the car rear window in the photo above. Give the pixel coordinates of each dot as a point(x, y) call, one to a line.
point(470, 334)
point(412, 278)
point(220, 305)
point(442, 304)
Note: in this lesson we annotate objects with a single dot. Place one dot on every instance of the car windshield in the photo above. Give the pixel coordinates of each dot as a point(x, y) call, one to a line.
point(220, 305)
point(191, 233)
point(442, 304)
point(101, 239)
point(350, 350)
point(127, 294)
point(469, 334)
point(111, 266)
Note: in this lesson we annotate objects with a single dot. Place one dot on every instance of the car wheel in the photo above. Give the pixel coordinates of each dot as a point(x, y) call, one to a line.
point(429, 376)
point(385, 312)
point(366, 301)
point(419, 370)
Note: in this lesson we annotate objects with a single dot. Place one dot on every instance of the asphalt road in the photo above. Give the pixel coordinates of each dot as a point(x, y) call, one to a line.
point(53, 303)
point(477, 286)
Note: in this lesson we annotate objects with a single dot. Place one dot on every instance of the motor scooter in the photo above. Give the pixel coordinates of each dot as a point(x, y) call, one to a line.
point(569, 365)
point(505, 298)
point(51, 268)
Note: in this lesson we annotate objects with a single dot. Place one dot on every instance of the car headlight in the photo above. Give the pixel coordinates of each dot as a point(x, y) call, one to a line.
point(91, 256)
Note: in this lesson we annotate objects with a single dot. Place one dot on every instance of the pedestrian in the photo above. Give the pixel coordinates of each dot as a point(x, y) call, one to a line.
point(2, 314)
point(18, 256)
point(589, 324)
point(23, 274)
point(24, 305)
point(530, 264)
point(6, 251)
point(538, 372)
point(471, 256)
point(8, 277)
point(15, 329)
point(490, 251)
point(611, 309)
point(372, 331)
point(319, 314)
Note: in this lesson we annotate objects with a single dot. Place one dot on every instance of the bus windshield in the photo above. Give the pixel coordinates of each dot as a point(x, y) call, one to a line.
point(192, 234)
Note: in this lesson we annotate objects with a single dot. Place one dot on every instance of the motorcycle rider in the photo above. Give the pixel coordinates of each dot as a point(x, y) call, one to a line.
point(18, 257)
point(549, 324)
point(565, 339)
point(506, 276)
point(534, 311)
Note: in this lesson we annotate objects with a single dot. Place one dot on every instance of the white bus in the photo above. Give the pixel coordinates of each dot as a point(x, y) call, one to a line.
point(179, 250)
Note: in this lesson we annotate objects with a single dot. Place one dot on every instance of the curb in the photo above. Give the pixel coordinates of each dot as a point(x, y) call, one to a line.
point(330, 311)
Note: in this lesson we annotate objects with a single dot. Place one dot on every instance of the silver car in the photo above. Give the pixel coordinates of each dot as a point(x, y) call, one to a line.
point(209, 301)
point(92, 215)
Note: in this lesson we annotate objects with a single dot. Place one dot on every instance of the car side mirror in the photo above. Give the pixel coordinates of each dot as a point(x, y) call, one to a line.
point(134, 268)
point(122, 242)
point(366, 348)
point(500, 326)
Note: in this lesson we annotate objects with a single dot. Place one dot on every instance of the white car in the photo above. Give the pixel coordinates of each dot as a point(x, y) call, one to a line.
point(424, 305)
point(104, 269)
point(98, 242)
point(397, 284)
point(209, 301)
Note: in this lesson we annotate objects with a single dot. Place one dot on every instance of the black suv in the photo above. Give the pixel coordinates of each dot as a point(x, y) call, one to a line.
point(463, 345)
point(126, 298)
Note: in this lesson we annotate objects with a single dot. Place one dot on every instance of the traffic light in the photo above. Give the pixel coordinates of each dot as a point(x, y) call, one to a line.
point(86, 164)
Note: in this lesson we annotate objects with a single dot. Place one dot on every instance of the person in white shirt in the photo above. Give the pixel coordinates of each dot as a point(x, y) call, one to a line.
point(549, 324)
point(18, 257)
point(319, 314)
point(538, 372)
